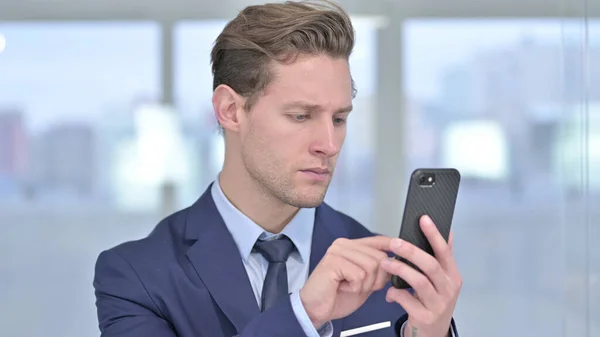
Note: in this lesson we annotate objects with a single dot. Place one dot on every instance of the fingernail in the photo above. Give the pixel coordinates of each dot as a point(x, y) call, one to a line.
point(396, 243)
point(427, 221)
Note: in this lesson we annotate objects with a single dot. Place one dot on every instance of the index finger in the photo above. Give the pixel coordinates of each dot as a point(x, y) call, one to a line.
point(379, 242)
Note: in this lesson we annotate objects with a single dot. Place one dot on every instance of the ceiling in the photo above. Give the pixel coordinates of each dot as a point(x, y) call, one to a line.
point(174, 10)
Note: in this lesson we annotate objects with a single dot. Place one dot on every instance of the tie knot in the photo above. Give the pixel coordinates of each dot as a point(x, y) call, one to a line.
point(276, 250)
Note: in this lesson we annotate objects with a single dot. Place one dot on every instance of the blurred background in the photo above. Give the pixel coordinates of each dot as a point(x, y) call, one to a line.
point(106, 126)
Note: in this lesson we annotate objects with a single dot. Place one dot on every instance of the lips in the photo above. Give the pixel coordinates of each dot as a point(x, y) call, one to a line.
point(317, 174)
point(318, 170)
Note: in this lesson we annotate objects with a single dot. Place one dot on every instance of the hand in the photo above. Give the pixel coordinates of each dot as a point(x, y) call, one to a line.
point(344, 278)
point(436, 291)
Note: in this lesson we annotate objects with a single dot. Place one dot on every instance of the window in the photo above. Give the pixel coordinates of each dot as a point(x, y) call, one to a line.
point(69, 94)
point(505, 102)
point(193, 94)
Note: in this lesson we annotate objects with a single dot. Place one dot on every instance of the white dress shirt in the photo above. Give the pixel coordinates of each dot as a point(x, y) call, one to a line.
point(246, 232)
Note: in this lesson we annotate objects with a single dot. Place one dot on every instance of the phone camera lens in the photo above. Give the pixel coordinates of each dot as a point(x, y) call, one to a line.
point(427, 180)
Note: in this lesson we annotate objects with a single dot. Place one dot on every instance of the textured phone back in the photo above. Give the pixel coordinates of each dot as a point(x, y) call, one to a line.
point(437, 201)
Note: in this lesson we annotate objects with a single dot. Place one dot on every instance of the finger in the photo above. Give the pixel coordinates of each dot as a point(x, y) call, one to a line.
point(451, 241)
point(370, 265)
point(436, 240)
point(425, 262)
point(377, 247)
point(440, 248)
point(419, 282)
point(412, 306)
point(349, 275)
point(381, 276)
point(379, 242)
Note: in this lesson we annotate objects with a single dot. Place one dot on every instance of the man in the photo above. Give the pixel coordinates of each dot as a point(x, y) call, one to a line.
point(260, 254)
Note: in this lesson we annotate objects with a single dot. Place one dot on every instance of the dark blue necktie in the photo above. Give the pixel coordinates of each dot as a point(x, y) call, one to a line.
point(276, 281)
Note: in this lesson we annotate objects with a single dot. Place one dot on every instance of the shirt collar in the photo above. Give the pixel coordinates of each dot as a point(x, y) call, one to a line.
point(245, 232)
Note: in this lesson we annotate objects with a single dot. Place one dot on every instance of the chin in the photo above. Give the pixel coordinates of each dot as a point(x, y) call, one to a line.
point(306, 203)
point(310, 197)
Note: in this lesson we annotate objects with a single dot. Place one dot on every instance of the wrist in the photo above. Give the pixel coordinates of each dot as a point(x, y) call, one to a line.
point(408, 332)
point(312, 314)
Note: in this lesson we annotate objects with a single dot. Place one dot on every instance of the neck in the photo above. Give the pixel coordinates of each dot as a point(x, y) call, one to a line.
point(253, 201)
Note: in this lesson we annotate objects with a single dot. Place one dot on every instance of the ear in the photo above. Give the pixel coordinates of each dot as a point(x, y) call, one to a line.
point(227, 104)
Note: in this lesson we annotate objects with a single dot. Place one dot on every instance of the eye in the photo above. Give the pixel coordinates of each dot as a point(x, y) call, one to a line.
point(299, 118)
point(339, 120)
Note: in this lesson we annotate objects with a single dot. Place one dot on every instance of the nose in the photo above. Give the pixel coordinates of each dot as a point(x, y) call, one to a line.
point(327, 141)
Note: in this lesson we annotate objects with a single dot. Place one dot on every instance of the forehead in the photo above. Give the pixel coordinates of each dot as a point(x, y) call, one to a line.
point(318, 79)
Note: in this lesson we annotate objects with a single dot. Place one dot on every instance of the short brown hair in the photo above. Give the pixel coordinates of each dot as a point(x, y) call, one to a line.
point(279, 32)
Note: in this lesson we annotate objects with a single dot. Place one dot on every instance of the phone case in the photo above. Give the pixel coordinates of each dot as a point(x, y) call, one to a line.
point(437, 200)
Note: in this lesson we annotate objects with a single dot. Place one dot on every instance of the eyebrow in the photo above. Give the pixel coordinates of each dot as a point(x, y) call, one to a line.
point(314, 107)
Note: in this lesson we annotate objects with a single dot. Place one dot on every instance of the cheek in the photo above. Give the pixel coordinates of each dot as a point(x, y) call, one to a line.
point(341, 135)
point(284, 151)
point(285, 147)
point(278, 142)
point(264, 145)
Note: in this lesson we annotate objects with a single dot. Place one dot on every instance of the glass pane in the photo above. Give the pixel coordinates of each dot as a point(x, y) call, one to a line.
point(594, 237)
point(193, 93)
point(579, 160)
point(501, 100)
point(351, 186)
point(68, 96)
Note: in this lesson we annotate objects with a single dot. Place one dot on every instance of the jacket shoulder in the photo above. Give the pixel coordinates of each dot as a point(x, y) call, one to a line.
point(159, 245)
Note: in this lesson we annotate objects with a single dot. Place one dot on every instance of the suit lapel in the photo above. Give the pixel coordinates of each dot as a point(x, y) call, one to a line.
point(327, 228)
point(217, 261)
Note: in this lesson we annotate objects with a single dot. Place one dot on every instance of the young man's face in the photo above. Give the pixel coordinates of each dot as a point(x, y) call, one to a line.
point(292, 136)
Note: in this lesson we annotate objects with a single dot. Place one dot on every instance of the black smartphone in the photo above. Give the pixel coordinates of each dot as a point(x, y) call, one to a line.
point(431, 192)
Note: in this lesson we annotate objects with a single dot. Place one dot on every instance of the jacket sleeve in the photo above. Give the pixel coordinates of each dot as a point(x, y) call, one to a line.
point(278, 320)
point(126, 309)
